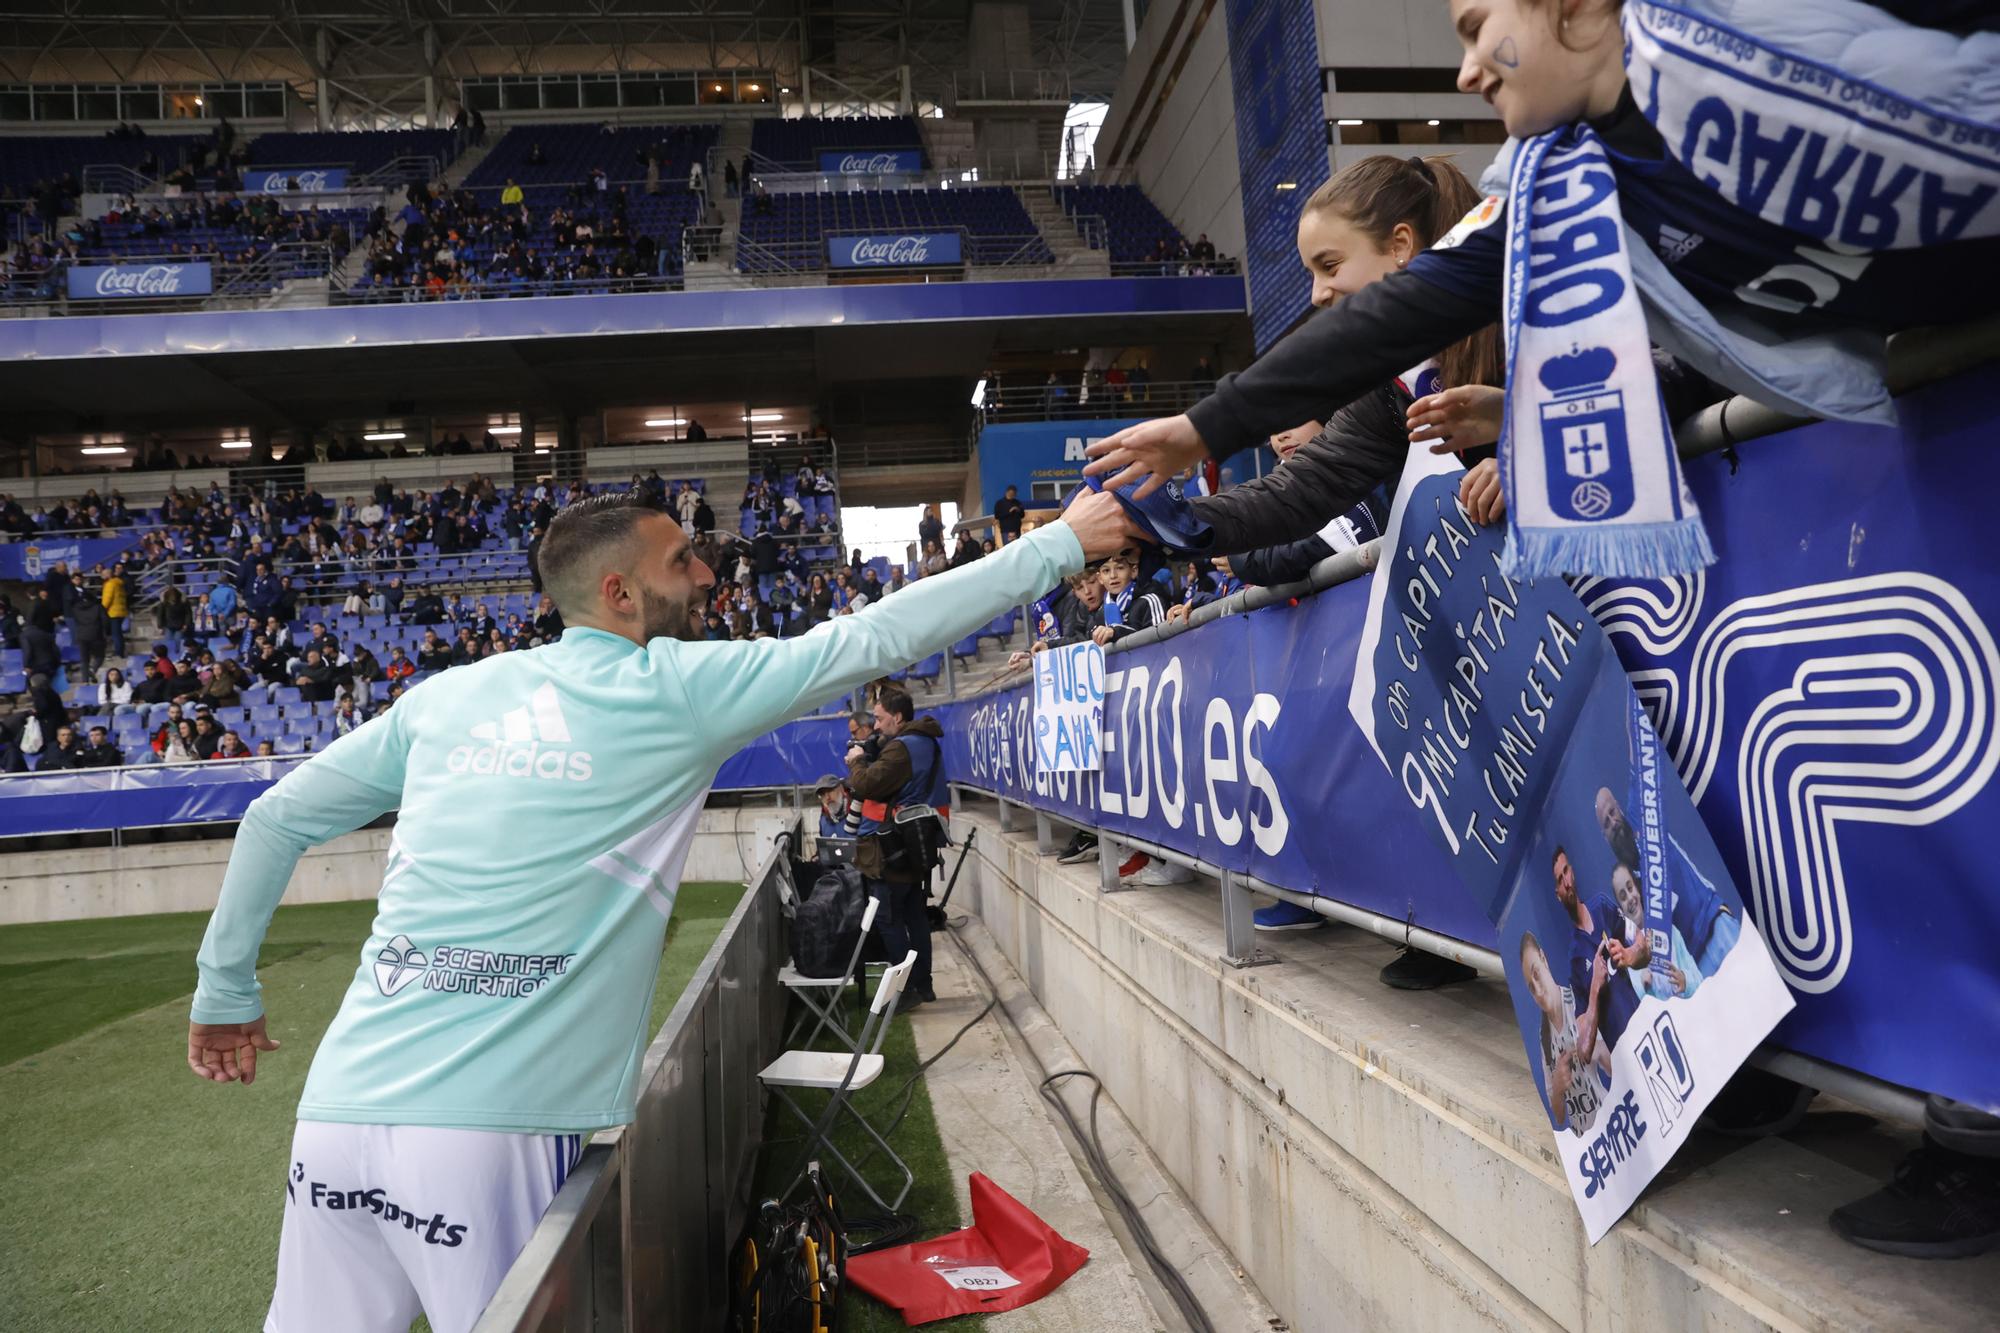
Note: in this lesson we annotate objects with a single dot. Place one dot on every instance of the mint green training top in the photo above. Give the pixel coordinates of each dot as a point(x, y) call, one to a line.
point(547, 799)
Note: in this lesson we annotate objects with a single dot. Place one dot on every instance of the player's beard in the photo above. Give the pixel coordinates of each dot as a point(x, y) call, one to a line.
point(662, 617)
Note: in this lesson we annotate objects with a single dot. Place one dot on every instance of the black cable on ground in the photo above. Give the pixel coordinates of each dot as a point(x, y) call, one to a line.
point(1092, 1146)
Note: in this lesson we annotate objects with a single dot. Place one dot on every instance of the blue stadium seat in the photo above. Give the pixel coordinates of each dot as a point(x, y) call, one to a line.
point(288, 745)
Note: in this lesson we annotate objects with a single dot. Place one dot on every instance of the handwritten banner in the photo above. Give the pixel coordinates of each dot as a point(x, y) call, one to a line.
point(1508, 724)
point(1069, 709)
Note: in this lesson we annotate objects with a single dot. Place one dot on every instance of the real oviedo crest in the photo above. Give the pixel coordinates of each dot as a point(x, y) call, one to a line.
point(1584, 446)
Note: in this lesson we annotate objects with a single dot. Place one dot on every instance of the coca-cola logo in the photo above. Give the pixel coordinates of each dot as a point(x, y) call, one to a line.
point(891, 250)
point(309, 182)
point(153, 280)
point(870, 164)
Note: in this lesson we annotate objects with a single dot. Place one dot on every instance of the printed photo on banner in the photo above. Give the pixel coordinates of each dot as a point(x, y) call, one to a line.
point(1507, 722)
point(1069, 708)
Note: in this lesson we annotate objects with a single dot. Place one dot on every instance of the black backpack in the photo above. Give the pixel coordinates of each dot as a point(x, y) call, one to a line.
point(827, 925)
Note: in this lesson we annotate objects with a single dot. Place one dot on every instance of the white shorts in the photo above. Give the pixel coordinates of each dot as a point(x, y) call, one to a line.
point(382, 1221)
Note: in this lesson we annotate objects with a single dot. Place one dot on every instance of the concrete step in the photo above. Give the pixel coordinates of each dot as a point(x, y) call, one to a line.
point(1379, 1159)
point(455, 174)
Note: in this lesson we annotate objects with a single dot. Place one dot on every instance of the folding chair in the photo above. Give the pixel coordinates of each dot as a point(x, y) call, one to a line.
point(823, 995)
point(841, 1075)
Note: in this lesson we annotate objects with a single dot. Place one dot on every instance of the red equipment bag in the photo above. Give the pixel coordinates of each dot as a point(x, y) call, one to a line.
point(1007, 1258)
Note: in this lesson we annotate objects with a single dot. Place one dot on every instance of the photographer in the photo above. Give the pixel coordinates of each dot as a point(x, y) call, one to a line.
point(903, 766)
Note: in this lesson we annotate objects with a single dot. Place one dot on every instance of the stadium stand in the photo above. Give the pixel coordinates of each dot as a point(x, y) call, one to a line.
point(1134, 227)
point(558, 240)
point(360, 151)
point(31, 160)
point(320, 551)
point(568, 154)
point(797, 143)
point(789, 230)
point(216, 227)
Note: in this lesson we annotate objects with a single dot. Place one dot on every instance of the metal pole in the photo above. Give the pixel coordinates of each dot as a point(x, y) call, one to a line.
point(1131, 27)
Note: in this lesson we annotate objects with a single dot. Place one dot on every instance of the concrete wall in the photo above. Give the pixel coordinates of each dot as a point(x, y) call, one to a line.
point(1388, 33)
point(1380, 1160)
point(1187, 161)
point(186, 876)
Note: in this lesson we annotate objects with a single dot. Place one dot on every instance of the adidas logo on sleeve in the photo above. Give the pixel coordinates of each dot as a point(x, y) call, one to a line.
point(527, 742)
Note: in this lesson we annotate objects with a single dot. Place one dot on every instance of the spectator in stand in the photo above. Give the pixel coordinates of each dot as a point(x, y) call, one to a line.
point(1128, 607)
point(934, 558)
point(61, 751)
point(116, 608)
point(99, 752)
point(266, 750)
point(512, 196)
point(155, 690)
point(115, 692)
point(39, 654)
point(315, 679)
point(1007, 516)
point(392, 595)
point(346, 717)
point(46, 705)
point(224, 687)
point(967, 551)
point(179, 746)
point(400, 667)
point(930, 529)
point(261, 598)
point(230, 747)
point(433, 654)
point(366, 668)
point(548, 620)
point(88, 626)
point(176, 617)
point(427, 609)
point(207, 737)
point(357, 600)
point(818, 600)
point(686, 502)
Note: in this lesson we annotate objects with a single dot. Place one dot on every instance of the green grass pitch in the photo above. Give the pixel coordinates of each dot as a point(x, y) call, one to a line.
point(134, 1197)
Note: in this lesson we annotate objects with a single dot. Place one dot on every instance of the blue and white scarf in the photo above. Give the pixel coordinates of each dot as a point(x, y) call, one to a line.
point(1904, 154)
point(1854, 161)
point(1586, 454)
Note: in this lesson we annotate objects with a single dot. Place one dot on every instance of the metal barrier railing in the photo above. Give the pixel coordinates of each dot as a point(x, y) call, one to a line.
point(1008, 401)
point(639, 1235)
point(1916, 358)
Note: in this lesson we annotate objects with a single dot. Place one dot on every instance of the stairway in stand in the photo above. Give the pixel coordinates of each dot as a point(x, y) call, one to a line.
point(1073, 257)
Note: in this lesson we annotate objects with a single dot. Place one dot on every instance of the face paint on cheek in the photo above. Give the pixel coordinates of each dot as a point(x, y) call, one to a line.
point(1505, 54)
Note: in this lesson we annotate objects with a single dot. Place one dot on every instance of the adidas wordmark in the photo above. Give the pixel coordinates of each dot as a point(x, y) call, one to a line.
point(527, 742)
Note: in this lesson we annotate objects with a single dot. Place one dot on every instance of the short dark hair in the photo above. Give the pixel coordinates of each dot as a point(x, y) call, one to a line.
point(898, 703)
point(581, 533)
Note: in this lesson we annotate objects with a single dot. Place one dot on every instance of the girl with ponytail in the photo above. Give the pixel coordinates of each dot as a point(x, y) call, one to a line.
point(1697, 174)
point(1366, 223)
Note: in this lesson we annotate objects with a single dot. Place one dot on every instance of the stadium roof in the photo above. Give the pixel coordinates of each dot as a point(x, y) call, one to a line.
point(375, 54)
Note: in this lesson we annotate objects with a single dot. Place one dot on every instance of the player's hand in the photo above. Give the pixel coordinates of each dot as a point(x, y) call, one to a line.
point(1177, 612)
point(1100, 524)
point(227, 1052)
point(1101, 635)
point(1481, 494)
point(1149, 453)
point(1458, 419)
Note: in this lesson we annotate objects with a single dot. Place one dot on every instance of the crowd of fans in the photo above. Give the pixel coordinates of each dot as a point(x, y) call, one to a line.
point(453, 243)
point(252, 614)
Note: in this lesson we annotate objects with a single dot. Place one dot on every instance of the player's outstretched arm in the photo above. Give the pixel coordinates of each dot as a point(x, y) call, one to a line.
point(742, 689)
point(353, 781)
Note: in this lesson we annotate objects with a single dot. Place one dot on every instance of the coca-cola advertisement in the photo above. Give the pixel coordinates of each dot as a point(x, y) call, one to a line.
point(295, 180)
point(121, 281)
point(931, 249)
point(871, 161)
